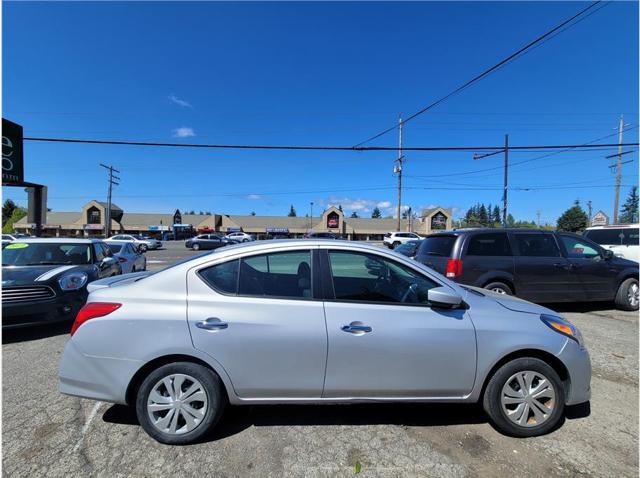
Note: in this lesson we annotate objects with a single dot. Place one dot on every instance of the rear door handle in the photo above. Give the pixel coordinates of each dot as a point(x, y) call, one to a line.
point(562, 265)
point(356, 328)
point(212, 323)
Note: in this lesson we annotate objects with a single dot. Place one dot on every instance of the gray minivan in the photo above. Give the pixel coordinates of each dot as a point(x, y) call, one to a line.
point(536, 265)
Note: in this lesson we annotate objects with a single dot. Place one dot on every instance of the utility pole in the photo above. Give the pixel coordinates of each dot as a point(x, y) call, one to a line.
point(311, 218)
point(113, 179)
point(398, 170)
point(538, 216)
point(618, 171)
point(590, 207)
point(506, 176)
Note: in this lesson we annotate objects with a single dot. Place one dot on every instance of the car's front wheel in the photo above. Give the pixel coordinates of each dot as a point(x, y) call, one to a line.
point(179, 403)
point(627, 296)
point(196, 247)
point(143, 248)
point(524, 398)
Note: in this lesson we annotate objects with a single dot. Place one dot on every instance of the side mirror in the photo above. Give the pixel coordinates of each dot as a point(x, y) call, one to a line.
point(608, 254)
point(443, 297)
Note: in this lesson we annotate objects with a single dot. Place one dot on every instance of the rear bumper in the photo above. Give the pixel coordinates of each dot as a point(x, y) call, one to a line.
point(97, 378)
point(578, 364)
point(62, 307)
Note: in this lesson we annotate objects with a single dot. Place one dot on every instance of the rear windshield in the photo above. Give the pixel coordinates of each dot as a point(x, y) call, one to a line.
point(115, 248)
point(611, 236)
point(437, 246)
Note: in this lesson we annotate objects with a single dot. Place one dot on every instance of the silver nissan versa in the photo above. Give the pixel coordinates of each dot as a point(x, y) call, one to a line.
point(312, 322)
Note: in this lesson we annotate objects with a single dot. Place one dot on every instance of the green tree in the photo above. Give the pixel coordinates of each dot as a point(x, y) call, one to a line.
point(511, 222)
point(354, 214)
point(495, 216)
point(292, 212)
point(253, 213)
point(17, 214)
point(376, 214)
point(7, 210)
point(340, 207)
point(629, 210)
point(483, 217)
point(573, 219)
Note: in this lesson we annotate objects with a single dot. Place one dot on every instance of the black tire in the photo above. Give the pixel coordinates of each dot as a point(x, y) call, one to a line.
point(626, 298)
point(493, 393)
point(499, 287)
point(212, 386)
point(196, 247)
point(395, 244)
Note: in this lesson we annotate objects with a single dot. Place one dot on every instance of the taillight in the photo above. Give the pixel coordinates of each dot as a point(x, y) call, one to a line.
point(91, 311)
point(122, 259)
point(454, 268)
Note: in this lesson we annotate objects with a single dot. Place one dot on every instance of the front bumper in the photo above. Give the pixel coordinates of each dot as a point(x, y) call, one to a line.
point(64, 306)
point(578, 363)
point(97, 378)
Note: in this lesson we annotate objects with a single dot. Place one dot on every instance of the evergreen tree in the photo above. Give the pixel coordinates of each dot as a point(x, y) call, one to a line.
point(483, 217)
point(629, 210)
point(340, 207)
point(376, 214)
point(354, 214)
point(495, 215)
point(292, 212)
point(511, 222)
point(573, 219)
point(253, 213)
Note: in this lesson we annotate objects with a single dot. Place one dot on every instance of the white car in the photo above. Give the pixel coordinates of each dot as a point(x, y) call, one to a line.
point(13, 237)
point(394, 239)
point(130, 259)
point(622, 239)
point(143, 244)
point(239, 236)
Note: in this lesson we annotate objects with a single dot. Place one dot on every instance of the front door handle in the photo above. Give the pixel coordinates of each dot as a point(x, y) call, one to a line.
point(562, 265)
point(356, 328)
point(212, 323)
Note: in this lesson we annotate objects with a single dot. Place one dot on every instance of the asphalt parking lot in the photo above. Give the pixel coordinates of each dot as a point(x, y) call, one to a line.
point(48, 434)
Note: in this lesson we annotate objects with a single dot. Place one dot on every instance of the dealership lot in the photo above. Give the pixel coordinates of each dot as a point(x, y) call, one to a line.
point(45, 433)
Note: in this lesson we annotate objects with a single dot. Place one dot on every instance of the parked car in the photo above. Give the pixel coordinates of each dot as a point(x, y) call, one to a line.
point(394, 239)
point(622, 240)
point(321, 235)
point(129, 256)
point(142, 244)
point(536, 265)
point(408, 249)
point(208, 241)
point(13, 237)
point(377, 327)
point(45, 280)
point(239, 236)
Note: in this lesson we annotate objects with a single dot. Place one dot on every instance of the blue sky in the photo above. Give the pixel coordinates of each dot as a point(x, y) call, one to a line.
point(316, 73)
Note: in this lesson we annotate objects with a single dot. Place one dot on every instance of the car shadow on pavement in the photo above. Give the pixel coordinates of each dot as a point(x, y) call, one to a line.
point(239, 418)
point(35, 332)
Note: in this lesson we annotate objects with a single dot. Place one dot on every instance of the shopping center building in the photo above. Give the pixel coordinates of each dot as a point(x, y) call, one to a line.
point(90, 222)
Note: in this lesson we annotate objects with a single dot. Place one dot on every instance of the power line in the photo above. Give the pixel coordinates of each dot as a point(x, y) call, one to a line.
point(488, 71)
point(319, 148)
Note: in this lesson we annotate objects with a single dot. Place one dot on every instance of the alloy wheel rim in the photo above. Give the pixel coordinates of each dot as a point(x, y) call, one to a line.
point(177, 404)
point(528, 399)
point(632, 295)
point(499, 290)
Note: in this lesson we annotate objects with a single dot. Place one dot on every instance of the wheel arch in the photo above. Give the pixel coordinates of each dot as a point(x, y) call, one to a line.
point(157, 362)
point(493, 276)
point(554, 362)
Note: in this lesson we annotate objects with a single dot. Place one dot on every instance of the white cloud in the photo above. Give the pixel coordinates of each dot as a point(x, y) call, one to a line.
point(384, 204)
point(174, 99)
point(253, 197)
point(362, 206)
point(183, 132)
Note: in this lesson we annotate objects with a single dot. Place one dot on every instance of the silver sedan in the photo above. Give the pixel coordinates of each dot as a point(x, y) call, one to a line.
point(314, 322)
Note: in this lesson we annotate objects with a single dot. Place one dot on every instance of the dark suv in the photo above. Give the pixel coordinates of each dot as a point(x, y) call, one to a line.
point(536, 265)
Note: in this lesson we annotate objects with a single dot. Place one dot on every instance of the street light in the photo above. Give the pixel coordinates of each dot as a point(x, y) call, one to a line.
point(311, 217)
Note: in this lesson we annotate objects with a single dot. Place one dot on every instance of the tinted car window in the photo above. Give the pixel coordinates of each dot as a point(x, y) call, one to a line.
point(282, 274)
point(369, 278)
point(493, 244)
point(99, 252)
point(437, 246)
point(22, 254)
point(408, 248)
point(115, 248)
point(537, 245)
point(222, 277)
point(578, 248)
point(612, 236)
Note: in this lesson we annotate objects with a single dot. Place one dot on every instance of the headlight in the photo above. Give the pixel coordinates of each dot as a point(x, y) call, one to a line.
point(562, 326)
point(73, 281)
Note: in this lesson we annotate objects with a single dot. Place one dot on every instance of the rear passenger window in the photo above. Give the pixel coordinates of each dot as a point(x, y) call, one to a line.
point(537, 245)
point(494, 244)
point(222, 277)
point(282, 274)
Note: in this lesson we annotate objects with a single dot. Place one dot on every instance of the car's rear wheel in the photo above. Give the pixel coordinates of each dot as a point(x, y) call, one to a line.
point(179, 403)
point(143, 248)
point(627, 297)
point(499, 287)
point(524, 398)
point(196, 247)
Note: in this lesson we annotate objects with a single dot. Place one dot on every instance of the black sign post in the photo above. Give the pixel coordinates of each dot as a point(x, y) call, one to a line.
point(12, 157)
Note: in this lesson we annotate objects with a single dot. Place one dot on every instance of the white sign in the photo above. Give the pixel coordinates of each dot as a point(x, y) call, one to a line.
point(599, 219)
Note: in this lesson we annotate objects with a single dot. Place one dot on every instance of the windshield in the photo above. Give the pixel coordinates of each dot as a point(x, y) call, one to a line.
point(437, 246)
point(45, 253)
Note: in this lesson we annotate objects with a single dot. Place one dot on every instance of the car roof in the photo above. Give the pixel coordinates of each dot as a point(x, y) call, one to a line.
point(457, 232)
point(613, 226)
point(61, 240)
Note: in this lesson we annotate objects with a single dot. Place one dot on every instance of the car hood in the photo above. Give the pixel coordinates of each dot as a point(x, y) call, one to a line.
point(513, 303)
point(28, 275)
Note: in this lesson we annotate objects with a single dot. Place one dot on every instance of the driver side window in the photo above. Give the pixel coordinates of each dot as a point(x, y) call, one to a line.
point(363, 277)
